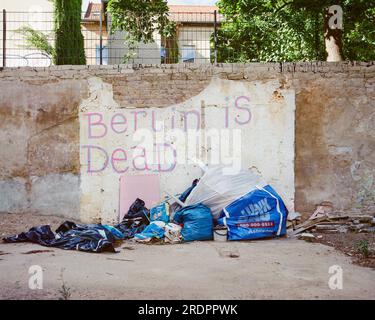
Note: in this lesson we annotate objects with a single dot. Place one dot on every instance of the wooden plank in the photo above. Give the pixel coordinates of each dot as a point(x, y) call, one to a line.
point(307, 225)
point(327, 227)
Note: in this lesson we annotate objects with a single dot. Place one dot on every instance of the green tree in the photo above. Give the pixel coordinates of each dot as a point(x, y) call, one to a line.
point(69, 44)
point(295, 30)
point(140, 19)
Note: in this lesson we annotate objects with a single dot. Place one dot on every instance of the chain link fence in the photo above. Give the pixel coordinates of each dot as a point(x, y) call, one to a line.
point(28, 39)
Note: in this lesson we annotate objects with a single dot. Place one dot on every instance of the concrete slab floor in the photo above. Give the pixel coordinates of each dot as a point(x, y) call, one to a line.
point(271, 269)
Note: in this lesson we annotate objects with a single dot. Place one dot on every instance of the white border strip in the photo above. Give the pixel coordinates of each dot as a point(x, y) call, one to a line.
point(278, 209)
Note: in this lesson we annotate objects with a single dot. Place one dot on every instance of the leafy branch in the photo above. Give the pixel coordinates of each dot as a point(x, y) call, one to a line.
point(36, 40)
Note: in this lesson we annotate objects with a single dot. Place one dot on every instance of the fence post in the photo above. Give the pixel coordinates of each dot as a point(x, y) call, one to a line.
point(215, 36)
point(4, 36)
point(101, 37)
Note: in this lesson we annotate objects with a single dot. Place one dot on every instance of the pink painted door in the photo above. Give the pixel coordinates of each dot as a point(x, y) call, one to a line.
point(145, 187)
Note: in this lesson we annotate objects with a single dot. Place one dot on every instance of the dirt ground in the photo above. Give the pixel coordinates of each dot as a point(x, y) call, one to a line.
point(349, 244)
point(269, 269)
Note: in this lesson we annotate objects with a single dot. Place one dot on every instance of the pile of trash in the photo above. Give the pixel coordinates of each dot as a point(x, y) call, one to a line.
point(218, 206)
point(326, 220)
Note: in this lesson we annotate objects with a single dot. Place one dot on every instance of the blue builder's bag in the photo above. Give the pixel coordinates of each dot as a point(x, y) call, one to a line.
point(197, 222)
point(160, 212)
point(260, 213)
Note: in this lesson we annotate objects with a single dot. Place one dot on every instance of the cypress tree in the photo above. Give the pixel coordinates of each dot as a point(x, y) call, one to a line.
point(69, 44)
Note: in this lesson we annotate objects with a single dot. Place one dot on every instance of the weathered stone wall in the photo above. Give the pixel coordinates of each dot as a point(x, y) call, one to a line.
point(40, 132)
point(39, 142)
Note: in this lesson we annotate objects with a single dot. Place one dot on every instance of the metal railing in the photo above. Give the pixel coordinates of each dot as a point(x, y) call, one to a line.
point(195, 40)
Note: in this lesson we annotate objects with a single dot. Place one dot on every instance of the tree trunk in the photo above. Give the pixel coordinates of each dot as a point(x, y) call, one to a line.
point(333, 40)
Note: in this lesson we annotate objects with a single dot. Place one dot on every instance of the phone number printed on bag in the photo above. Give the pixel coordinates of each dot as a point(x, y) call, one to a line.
point(259, 224)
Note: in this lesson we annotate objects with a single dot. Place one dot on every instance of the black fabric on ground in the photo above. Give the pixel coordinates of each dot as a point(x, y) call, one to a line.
point(66, 226)
point(69, 236)
point(90, 237)
point(130, 226)
point(138, 210)
point(136, 219)
point(41, 234)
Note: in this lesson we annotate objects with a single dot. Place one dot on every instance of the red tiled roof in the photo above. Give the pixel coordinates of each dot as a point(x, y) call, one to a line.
point(93, 12)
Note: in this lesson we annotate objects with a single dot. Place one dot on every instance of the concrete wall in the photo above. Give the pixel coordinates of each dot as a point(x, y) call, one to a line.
point(39, 144)
point(40, 131)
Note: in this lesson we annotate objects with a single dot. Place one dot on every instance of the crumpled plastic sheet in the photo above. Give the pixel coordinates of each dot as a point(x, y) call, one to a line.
point(69, 236)
point(90, 237)
point(217, 189)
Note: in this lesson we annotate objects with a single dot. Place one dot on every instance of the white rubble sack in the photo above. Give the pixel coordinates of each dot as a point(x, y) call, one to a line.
point(216, 189)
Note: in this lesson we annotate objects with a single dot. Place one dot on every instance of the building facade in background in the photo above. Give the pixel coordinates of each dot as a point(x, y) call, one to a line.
point(192, 42)
point(95, 34)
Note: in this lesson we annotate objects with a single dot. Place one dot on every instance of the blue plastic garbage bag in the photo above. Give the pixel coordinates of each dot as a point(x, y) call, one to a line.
point(260, 213)
point(197, 222)
point(154, 230)
point(118, 235)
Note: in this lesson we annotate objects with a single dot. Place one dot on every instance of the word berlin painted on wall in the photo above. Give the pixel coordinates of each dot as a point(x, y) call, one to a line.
point(159, 143)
